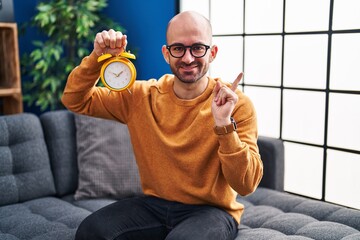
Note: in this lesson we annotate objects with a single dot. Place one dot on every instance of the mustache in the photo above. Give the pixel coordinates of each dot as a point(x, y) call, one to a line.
point(192, 64)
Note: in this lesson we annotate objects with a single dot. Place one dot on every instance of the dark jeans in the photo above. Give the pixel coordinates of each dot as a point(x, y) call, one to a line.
point(152, 218)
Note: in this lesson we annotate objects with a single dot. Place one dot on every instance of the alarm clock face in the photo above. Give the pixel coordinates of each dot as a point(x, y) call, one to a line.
point(118, 75)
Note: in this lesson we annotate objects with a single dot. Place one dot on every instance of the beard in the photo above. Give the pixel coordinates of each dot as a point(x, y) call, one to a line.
point(188, 73)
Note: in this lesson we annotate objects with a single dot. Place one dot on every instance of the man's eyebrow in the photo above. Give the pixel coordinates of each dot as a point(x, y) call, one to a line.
point(177, 43)
point(181, 44)
point(200, 43)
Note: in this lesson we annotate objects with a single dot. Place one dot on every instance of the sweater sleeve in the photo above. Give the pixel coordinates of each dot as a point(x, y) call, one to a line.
point(239, 153)
point(82, 96)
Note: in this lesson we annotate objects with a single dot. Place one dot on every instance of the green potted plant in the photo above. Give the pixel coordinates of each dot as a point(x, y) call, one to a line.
point(69, 27)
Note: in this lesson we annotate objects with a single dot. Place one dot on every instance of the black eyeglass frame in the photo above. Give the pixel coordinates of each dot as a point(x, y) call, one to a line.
point(207, 47)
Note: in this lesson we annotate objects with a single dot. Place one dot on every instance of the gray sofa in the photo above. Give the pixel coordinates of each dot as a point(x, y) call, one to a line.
point(39, 176)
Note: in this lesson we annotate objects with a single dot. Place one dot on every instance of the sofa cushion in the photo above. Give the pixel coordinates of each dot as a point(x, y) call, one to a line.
point(25, 172)
point(278, 215)
point(350, 217)
point(355, 236)
point(46, 218)
point(107, 166)
point(326, 230)
point(265, 234)
point(91, 205)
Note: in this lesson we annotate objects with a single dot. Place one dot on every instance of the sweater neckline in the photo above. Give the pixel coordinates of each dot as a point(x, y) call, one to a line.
point(191, 102)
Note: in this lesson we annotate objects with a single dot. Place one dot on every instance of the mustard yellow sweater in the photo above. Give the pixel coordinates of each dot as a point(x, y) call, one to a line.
point(179, 156)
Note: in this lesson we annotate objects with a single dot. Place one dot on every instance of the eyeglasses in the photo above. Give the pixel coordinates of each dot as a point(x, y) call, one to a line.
point(196, 50)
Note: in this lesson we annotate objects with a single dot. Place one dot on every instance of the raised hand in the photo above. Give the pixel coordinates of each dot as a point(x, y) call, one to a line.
point(113, 42)
point(224, 100)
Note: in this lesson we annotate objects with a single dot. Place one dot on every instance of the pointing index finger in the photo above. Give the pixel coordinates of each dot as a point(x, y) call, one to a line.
point(235, 84)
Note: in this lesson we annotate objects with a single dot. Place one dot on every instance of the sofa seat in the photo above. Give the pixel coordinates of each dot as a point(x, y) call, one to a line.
point(40, 219)
point(275, 215)
point(92, 204)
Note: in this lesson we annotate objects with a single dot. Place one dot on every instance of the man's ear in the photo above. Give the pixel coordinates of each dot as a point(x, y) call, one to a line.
point(213, 52)
point(165, 53)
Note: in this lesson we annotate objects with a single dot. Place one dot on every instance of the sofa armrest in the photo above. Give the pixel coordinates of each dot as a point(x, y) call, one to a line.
point(272, 155)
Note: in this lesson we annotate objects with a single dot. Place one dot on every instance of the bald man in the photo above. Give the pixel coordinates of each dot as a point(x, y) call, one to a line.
point(194, 139)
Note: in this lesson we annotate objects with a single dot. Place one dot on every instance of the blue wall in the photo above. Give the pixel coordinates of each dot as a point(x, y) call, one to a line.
point(145, 23)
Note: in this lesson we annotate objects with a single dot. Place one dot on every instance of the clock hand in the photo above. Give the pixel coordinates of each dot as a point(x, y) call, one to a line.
point(117, 75)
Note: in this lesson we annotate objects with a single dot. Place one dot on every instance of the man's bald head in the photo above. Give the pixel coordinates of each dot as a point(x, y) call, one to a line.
point(188, 22)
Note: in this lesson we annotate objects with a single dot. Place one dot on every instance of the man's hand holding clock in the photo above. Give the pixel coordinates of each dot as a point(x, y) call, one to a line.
point(113, 42)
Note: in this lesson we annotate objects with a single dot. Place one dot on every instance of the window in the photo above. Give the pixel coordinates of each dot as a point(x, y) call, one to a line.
point(302, 74)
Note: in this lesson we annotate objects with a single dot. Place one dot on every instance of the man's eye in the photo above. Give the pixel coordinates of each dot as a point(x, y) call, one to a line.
point(178, 48)
point(198, 48)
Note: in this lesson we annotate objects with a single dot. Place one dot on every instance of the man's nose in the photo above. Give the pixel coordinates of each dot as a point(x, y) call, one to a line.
point(188, 57)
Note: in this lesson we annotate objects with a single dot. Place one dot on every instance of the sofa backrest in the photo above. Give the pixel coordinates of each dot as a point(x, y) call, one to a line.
point(60, 135)
point(25, 172)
